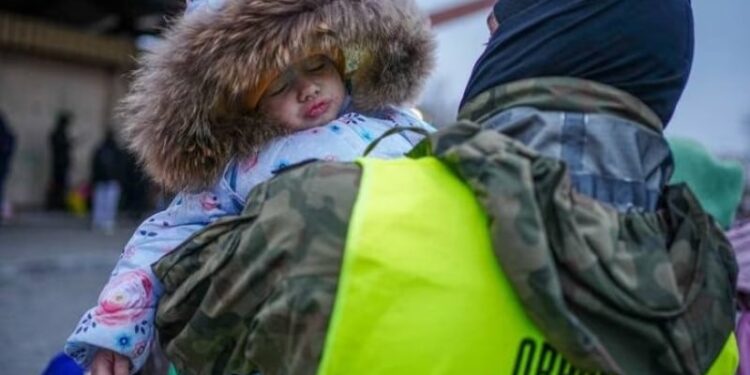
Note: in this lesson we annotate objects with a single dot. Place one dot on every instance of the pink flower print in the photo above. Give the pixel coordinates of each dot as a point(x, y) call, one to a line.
point(249, 163)
point(209, 202)
point(139, 349)
point(125, 299)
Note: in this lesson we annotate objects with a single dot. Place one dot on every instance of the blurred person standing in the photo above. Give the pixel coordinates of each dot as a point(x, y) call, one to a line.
point(106, 174)
point(60, 145)
point(7, 146)
point(136, 188)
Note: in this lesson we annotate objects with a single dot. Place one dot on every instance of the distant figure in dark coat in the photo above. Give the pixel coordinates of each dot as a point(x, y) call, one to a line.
point(7, 146)
point(106, 174)
point(60, 145)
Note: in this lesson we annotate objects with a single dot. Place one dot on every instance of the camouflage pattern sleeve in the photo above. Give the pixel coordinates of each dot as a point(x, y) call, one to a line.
point(255, 291)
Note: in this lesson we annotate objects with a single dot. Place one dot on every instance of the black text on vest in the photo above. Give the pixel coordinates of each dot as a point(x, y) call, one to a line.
point(534, 358)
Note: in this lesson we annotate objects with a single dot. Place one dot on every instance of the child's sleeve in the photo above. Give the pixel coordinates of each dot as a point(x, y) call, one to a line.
point(123, 320)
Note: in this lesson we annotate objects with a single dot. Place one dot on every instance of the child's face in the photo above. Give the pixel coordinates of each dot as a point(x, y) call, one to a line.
point(308, 94)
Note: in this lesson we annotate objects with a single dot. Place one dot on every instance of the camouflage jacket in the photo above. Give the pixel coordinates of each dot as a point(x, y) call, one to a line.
point(615, 292)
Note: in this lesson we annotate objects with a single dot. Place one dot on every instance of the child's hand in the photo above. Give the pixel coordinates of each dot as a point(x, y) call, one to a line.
point(107, 362)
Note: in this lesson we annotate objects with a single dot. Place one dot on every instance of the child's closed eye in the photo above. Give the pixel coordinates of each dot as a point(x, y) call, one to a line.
point(278, 88)
point(316, 67)
point(316, 64)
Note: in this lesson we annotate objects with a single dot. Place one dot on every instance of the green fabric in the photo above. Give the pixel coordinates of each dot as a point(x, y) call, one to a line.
point(718, 184)
point(415, 294)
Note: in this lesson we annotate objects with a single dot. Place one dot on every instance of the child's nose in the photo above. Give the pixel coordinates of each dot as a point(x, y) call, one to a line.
point(308, 89)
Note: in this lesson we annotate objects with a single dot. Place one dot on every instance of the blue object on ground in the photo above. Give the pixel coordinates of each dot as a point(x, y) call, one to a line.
point(62, 365)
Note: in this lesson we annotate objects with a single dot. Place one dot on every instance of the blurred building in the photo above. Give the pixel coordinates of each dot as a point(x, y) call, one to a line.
point(74, 56)
point(66, 55)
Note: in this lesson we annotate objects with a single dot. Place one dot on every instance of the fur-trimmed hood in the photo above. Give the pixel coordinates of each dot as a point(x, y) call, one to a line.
point(184, 115)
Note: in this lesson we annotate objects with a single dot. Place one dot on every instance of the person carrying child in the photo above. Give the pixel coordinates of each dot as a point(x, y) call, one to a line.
point(238, 92)
point(536, 235)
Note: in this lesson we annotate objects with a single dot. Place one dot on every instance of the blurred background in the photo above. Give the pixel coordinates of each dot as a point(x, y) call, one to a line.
point(64, 66)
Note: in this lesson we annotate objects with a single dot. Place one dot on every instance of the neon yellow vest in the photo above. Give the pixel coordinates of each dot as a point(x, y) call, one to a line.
point(429, 297)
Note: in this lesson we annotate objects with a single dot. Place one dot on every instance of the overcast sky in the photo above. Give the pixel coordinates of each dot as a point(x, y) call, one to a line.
point(713, 107)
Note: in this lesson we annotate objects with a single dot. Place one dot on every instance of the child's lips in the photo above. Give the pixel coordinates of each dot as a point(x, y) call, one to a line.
point(317, 109)
point(209, 206)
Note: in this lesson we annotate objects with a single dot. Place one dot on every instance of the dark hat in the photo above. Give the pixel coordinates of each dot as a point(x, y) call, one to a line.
point(632, 45)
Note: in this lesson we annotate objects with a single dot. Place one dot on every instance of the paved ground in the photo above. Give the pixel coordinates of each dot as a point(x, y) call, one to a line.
point(52, 268)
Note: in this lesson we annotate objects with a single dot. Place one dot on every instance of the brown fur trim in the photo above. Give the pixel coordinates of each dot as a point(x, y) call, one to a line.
point(184, 115)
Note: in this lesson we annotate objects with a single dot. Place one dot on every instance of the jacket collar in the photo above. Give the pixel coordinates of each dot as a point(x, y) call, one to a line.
point(560, 94)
